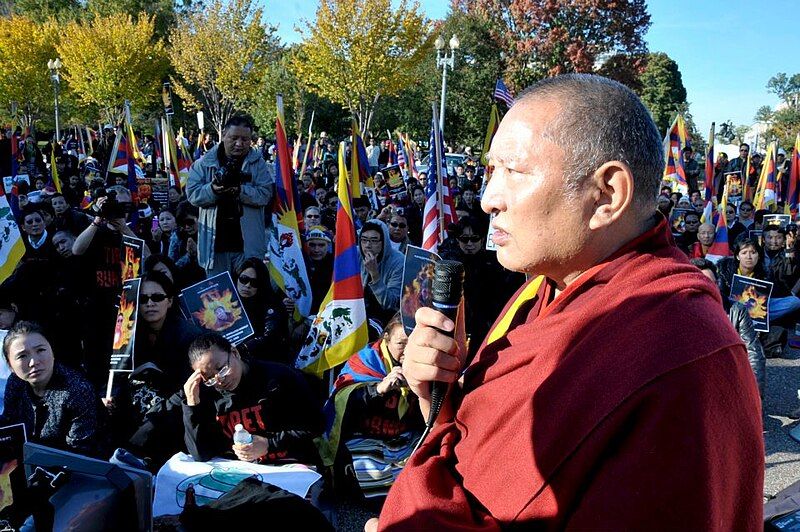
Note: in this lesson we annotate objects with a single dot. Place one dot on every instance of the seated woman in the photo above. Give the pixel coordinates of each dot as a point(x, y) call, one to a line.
point(267, 314)
point(57, 405)
point(374, 413)
point(272, 401)
point(141, 421)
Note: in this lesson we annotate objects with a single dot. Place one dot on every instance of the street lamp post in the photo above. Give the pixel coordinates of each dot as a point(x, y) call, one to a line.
point(444, 60)
point(55, 65)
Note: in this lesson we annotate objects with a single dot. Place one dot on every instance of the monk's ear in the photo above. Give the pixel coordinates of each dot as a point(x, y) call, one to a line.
point(612, 190)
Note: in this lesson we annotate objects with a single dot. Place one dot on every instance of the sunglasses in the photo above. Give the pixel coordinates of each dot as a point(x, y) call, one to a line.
point(400, 225)
point(247, 280)
point(470, 238)
point(155, 298)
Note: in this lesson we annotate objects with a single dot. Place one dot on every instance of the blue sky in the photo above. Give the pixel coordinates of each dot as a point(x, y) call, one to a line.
point(726, 50)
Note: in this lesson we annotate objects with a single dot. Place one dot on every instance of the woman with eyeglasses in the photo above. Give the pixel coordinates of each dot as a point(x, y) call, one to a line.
point(271, 401)
point(267, 314)
point(381, 270)
point(487, 285)
point(57, 405)
point(398, 230)
point(140, 421)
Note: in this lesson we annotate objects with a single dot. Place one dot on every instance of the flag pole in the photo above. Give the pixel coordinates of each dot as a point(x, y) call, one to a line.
point(439, 176)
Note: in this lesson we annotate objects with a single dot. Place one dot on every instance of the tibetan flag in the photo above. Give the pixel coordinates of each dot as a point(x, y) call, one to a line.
point(392, 151)
point(171, 157)
point(296, 153)
point(708, 189)
point(766, 190)
point(13, 247)
point(408, 152)
point(675, 141)
point(340, 328)
point(794, 180)
point(89, 139)
point(118, 161)
point(54, 171)
point(746, 171)
point(184, 163)
point(359, 164)
point(720, 247)
point(14, 154)
point(286, 265)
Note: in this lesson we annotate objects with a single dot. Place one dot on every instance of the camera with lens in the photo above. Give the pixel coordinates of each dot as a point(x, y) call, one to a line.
point(230, 175)
point(111, 208)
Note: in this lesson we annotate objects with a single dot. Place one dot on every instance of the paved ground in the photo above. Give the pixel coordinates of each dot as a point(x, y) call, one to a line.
point(782, 451)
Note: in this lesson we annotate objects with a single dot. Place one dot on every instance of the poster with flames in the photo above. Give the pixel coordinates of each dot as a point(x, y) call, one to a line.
point(131, 253)
point(215, 306)
point(125, 327)
point(417, 282)
point(754, 294)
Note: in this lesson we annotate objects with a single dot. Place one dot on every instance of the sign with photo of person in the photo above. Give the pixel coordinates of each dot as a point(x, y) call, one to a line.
point(394, 180)
point(12, 472)
point(754, 294)
point(125, 327)
point(417, 283)
point(214, 305)
point(777, 219)
point(131, 254)
point(677, 220)
point(733, 180)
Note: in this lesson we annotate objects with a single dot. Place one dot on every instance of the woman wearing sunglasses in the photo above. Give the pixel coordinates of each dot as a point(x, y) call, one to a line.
point(140, 421)
point(266, 312)
point(487, 285)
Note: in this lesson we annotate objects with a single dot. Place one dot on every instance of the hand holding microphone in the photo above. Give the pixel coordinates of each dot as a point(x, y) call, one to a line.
point(435, 352)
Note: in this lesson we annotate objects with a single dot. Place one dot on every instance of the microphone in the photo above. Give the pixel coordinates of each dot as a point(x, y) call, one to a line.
point(448, 287)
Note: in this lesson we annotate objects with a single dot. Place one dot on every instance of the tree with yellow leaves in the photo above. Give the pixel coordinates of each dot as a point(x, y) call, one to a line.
point(108, 60)
point(24, 77)
point(356, 51)
point(219, 55)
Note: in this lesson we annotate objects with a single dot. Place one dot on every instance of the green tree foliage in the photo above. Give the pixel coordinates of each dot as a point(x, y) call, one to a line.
point(542, 38)
point(164, 12)
point(357, 51)
point(42, 10)
point(24, 77)
point(786, 88)
point(108, 60)
point(662, 89)
point(219, 56)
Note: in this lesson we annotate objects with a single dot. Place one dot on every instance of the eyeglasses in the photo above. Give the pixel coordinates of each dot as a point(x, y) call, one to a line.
point(155, 298)
point(370, 241)
point(397, 224)
point(474, 239)
point(247, 280)
point(221, 374)
point(744, 150)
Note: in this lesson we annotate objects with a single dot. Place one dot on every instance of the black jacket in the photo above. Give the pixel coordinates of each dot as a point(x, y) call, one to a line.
point(743, 324)
point(272, 400)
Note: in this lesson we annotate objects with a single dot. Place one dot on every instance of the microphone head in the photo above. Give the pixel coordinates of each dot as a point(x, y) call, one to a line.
point(448, 282)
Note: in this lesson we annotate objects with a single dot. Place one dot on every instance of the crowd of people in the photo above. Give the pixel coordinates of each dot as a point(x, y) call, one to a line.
point(191, 388)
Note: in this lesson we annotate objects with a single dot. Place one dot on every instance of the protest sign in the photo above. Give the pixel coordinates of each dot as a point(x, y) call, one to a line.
point(490, 246)
point(676, 220)
point(753, 294)
point(777, 219)
point(125, 328)
point(12, 474)
point(733, 180)
point(212, 479)
point(131, 254)
point(155, 188)
point(394, 180)
point(417, 280)
point(215, 306)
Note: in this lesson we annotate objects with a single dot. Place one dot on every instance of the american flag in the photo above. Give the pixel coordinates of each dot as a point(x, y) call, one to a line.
point(502, 93)
point(430, 228)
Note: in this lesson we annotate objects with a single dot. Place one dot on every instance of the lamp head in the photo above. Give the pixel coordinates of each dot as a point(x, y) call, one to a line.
point(454, 43)
point(439, 42)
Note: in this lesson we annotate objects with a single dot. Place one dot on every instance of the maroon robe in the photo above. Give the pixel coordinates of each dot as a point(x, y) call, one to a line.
point(625, 403)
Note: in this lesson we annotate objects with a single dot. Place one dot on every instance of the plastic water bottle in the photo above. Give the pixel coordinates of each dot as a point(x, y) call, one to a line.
point(241, 436)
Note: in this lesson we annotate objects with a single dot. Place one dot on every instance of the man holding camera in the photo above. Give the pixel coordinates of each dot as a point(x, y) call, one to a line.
point(231, 185)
